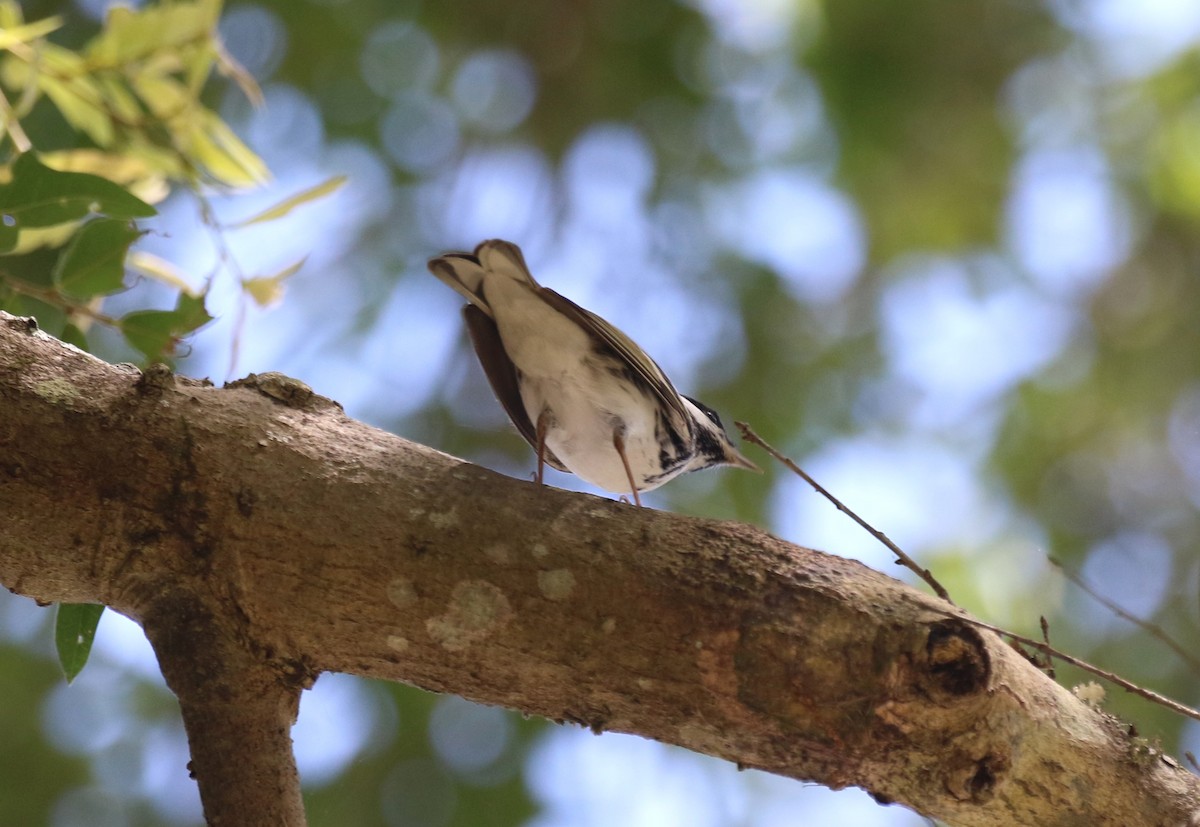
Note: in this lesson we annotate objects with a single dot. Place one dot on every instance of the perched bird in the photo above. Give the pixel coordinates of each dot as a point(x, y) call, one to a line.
point(587, 398)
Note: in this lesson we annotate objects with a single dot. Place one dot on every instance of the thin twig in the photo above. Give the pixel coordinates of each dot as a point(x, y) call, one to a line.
point(1046, 649)
point(902, 558)
point(1145, 625)
point(226, 259)
point(1042, 646)
point(1046, 637)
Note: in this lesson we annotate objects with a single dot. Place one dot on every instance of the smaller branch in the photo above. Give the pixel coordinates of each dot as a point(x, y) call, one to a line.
point(1048, 650)
point(57, 299)
point(225, 258)
point(1049, 668)
point(1151, 629)
point(901, 558)
point(238, 711)
point(1042, 646)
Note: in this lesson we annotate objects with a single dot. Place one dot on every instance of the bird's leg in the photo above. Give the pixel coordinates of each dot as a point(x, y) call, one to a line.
point(619, 444)
point(542, 424)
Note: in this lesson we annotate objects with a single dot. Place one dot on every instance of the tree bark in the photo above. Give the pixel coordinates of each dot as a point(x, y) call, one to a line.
point(261, 538)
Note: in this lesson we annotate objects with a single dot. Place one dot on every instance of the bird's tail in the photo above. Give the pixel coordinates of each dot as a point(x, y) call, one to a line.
point(465, 272)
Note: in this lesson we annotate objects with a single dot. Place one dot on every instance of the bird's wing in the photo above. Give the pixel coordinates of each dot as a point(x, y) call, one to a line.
point(642, 368)
point(465, 273)
point(502, 376)
point(498, 256)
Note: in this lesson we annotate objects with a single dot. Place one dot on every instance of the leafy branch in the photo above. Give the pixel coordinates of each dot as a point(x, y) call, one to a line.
point(69, 219)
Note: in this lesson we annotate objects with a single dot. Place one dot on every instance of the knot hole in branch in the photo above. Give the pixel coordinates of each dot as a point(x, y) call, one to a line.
point(957, 659)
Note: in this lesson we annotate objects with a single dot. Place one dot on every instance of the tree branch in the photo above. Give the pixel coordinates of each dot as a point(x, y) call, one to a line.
point(262, 536)
point(238, 712)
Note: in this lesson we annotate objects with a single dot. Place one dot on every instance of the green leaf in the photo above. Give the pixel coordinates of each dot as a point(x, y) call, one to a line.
point(74, 631)
point(39, 196)
point(72, 334)
point(288, 204)
point(157, 332)
point(8, 233)
point(191, 312)
point(150, 331)
point(94, 262)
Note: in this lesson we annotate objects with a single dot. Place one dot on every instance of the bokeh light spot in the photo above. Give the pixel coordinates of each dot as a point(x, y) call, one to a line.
point(799, 226)
point(337, 721)
point(494, 90)
point(255, 37)
point(469, 737)
point(419, 132)
point(399, 57)
point(1135, 564)
point(1067, 222)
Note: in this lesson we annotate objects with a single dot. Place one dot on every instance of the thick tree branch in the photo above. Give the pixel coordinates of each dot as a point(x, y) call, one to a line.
point(261, 534)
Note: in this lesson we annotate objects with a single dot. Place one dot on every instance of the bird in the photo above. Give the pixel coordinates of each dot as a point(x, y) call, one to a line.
point(585, 397)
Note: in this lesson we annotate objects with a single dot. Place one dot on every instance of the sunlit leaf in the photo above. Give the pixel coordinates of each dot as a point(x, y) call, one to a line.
point(36, 238)
point(157, 158)
point(94, 262)
point(224, 156)
point(10, 14)
point(119, 99)
point(74, 630)
point(157, 332)
point(131, 35)
point(82, 104)
point(159, 269)
point(266, 290)
point(197, 65)
point(39, 196)
point(60, 62)
point(288, 204)
point(164, 96)
point(28, 32)
point(132, 169)
point(65, 78)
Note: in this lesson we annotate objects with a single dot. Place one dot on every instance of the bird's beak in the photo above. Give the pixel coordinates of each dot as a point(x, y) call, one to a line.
point(734, 457)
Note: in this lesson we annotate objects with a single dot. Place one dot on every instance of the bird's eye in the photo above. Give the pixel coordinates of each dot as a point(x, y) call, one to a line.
point(709, 412)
